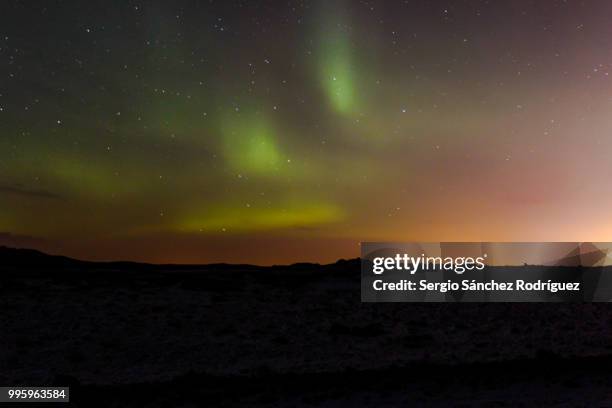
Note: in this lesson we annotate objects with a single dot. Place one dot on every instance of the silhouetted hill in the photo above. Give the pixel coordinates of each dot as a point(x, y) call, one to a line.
point(33, 259)
point(30, 258)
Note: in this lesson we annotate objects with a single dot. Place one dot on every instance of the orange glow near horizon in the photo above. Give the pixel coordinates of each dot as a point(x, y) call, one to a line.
point(295, 142)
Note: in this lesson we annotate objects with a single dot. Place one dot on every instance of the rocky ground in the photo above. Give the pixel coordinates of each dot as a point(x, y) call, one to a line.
point(127, 335)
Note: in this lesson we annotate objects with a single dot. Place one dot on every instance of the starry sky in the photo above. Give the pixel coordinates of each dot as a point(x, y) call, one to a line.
point(274, 132)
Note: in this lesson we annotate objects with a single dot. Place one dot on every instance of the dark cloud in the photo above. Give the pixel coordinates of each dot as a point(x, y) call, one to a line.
point(20, 191)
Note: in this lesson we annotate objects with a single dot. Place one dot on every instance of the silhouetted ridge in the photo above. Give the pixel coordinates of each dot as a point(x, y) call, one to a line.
point(31, 258)
point(19, 257)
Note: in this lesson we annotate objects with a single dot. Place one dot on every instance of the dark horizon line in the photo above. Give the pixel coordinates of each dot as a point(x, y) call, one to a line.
point(38, 255)
point(65, 258)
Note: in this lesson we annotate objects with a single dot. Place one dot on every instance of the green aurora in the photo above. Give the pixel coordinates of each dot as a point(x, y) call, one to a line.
point(275, 133)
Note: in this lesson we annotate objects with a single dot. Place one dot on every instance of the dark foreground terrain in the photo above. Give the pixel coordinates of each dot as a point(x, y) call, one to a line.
point(124, 335)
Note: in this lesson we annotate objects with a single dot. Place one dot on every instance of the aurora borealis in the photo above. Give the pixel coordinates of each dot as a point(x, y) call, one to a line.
point(272, 132)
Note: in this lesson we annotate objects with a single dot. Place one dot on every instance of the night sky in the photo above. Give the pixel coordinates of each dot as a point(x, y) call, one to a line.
point(275, 132)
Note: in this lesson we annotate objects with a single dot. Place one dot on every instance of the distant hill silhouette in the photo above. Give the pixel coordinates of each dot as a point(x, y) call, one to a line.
point(32, 259)
point(21, 257)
